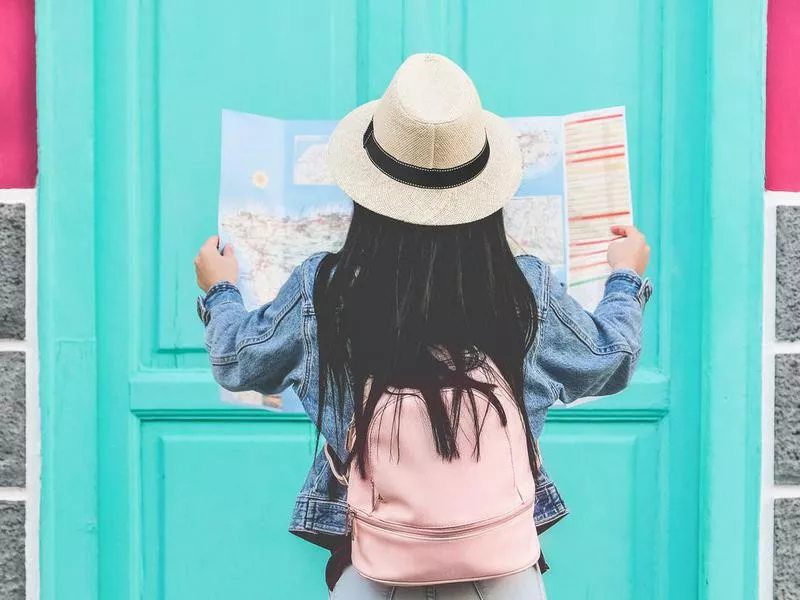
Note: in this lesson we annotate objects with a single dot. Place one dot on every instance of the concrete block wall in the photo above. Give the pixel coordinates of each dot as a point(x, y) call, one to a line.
point(19, 417)
point(780, 523)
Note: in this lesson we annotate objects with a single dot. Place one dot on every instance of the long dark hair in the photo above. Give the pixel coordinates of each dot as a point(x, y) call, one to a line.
point(418, 307)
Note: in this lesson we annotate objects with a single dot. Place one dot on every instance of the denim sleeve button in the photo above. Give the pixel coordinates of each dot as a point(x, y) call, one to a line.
point(645, 291)
point(202, 313)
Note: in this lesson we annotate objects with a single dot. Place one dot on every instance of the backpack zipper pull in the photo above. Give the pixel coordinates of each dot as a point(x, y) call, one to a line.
point(350, 518)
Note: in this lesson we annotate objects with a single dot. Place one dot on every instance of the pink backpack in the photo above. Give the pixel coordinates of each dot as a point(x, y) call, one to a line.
point(418, 519)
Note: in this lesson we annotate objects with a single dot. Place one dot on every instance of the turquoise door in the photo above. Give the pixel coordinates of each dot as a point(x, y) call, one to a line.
point(153, 488)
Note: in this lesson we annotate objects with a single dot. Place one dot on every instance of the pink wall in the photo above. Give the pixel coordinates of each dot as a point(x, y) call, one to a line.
point(783, 95)
point(17, 95)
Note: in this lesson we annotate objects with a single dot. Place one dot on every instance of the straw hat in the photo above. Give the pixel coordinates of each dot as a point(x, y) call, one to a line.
point(426, 152)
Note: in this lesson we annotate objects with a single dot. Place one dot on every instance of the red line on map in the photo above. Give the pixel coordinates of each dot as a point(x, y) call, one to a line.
point(589, 119)
point(596, 149)
point(592, 242)
point(589, 266)
point(587, 253)
point(593, 158)
point(600, 216)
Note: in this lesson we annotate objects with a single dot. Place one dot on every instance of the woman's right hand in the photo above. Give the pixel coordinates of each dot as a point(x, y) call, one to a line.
point(212, 267)
point(629, 251)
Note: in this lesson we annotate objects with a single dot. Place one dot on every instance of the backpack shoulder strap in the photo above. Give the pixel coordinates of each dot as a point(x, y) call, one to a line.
point(333, 461)
point(335, 466)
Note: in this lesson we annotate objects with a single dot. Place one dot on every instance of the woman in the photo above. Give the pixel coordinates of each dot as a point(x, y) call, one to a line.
point(426, 316)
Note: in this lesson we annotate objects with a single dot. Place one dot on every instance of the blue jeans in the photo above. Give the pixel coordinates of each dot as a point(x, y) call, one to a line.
point(527, 585)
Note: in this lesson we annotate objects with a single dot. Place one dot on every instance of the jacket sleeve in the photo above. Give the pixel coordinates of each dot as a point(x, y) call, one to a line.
point(585, 353)
point(259, 350)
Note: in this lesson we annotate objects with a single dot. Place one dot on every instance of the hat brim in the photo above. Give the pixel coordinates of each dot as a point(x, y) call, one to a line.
point(362, 181)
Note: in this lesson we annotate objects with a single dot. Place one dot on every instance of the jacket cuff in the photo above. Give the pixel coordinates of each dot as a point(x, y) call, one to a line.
point(628, 281)
point(219, 293)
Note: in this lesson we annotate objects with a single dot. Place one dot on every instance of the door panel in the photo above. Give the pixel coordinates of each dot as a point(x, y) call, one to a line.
point(613, 539)
point(215, 501)
point(195, 495)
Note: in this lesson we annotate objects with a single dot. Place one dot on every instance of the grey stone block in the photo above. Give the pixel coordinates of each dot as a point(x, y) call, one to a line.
point(12, 550)
point(786, 573)
point(787, 288)
point(12, 420)
point(12, 271)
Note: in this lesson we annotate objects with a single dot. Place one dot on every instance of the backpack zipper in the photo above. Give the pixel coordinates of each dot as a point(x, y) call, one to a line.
point(434, 532)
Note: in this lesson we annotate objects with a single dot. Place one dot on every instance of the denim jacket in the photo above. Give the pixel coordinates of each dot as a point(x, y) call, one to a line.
point(575, 354)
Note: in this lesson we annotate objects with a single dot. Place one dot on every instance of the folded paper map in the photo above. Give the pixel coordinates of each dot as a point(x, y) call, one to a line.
point(278, 203)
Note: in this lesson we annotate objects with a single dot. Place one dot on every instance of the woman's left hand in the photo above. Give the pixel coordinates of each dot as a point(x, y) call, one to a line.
point(212, 267)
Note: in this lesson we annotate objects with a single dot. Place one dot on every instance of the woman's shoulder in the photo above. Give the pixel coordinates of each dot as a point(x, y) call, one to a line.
point(307, 272)
point(536, 272)
point(530, 263)
point(311, 264)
